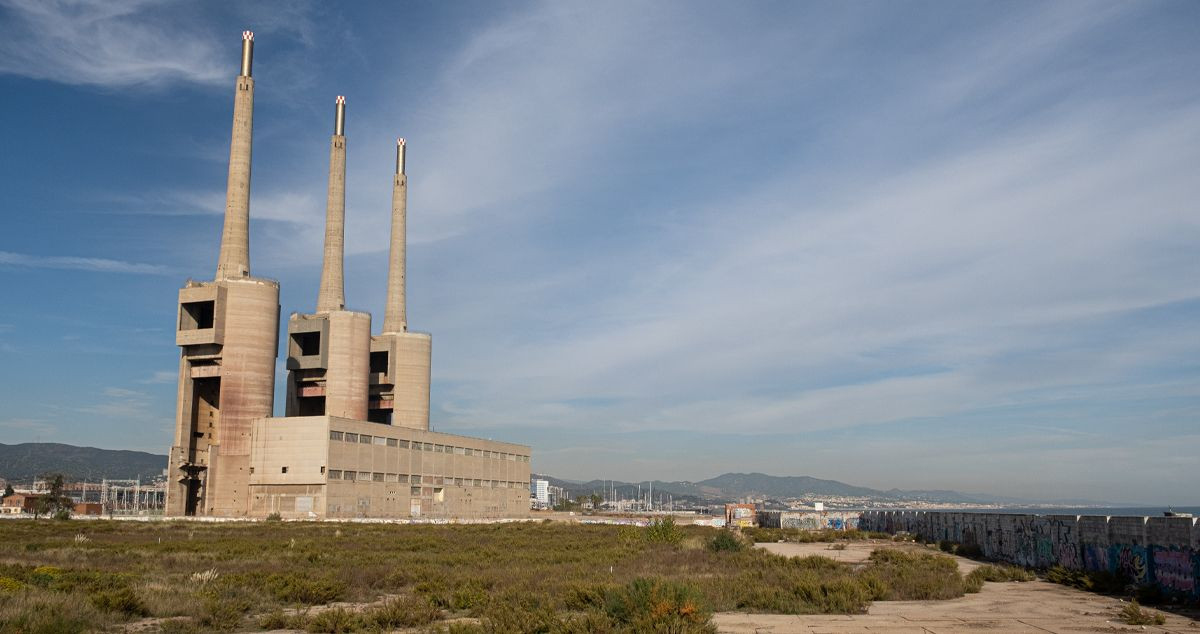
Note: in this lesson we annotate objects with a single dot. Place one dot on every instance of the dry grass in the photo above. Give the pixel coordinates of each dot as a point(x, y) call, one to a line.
point(550, 577)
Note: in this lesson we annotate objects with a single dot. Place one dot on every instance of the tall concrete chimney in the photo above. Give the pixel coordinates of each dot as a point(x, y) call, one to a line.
point(332, 295)
point(395, 319)
point(234, 261)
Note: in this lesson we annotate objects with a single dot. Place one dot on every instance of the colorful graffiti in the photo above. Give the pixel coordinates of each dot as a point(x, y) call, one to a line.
point(1175, 571)
point(1131, 562)
point(1161, 551)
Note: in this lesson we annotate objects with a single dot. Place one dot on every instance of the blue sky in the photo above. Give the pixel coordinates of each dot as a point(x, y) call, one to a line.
point(901, 244)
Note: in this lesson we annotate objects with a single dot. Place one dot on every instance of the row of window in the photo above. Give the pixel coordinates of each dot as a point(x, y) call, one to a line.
point(366, 439)
point(369, 476)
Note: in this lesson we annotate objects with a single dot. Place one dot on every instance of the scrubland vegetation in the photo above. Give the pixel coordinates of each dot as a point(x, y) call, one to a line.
point(521, 577)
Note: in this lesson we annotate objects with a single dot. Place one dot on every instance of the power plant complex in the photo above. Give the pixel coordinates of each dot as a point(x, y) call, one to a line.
point(355, 439)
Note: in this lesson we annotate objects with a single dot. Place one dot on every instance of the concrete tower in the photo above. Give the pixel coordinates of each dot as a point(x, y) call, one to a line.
point(400, 360)
point(228, 331)
point(328, 350)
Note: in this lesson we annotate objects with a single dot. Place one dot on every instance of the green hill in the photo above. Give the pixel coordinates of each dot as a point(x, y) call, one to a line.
point(29, 460)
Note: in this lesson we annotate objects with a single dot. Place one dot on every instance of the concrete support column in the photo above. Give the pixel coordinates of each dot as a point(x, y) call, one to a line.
point(234, 261)
point(395, 318)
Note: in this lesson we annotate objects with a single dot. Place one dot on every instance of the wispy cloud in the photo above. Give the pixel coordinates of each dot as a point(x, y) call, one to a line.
point(75, 263)
point(104, 43)
point(29, 426)
point(161, 377)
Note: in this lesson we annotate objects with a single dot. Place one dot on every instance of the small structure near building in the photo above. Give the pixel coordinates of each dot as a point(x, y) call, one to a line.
point(20, 503)
point(740, 515)
point(89, 508)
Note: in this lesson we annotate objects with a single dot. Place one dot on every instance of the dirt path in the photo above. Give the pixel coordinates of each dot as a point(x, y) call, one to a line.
point(1035, 606)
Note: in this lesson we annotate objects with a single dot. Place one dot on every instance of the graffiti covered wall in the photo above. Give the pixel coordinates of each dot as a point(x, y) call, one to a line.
point(809, 520)
point(1152, 551)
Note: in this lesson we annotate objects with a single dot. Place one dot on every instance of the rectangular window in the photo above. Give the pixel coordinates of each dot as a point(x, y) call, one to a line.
point(379, 362)
point(414, 479)
point(487, 453)
point(348, 475)
point(306, 344)
point(379, 440)
point(404, 444)
point(377, 477)
point(416, 491)
point(458, 482)
point(351, 437)
point(335, 474)
point(322, 469)
point(335, 435)
point(510, 457)
point(364, 439)
point(427, 446)
point(477, 482)
point(364, 476)
point(391, 442)
point(391, 477)
point(197, 315)
point(437, 448)
point(458, 451)
point(283, 470)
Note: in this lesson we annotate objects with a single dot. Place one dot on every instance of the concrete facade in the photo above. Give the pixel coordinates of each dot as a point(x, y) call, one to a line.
point(328, 364)
point(809, 520)
point(400, 379)
point(1148, 551)
point(321, 467)
point(330, 457)
point(401, 361)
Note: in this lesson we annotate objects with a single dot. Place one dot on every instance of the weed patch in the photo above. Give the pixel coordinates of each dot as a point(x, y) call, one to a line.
point(1133, 614)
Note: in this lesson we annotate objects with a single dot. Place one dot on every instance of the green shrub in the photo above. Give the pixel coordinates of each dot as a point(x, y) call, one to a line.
point(664, 530)
point(585, 597)
point(48, 613)
point(657, 605)
point(1001, 573)
point(334, 621)
point(1133, 614)
point(178, 626)
point(8, 585)
point(122, 601)
point(294, 588)
point(402, 612)
point(518, 614)
point(224, 610)
point(917, 576)
point(726, 541)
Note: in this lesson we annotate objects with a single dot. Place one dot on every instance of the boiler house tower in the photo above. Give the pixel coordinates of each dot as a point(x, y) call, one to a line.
point(355, 439)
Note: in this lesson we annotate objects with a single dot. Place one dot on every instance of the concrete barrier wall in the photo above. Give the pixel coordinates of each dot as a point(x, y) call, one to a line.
point(809, 520)
point(1152, 551)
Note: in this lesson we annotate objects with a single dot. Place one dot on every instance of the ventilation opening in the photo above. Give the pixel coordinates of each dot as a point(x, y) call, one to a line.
point(310, 406)
point(380, 416)
point(307, 343)
point(379, 362)
point(197, 315)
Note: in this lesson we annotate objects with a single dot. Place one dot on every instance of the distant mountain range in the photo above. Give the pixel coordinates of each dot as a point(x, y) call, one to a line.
point(733, 486)
point(30, 460)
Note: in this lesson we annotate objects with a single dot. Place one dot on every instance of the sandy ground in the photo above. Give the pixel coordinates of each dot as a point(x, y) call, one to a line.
point(1035, 606)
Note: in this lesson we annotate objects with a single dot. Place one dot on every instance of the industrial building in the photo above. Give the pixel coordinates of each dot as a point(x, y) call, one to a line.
point(355, 439)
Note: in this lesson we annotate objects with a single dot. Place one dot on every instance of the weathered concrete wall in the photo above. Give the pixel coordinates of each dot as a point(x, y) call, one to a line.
point(1152, 551)
point(809, 520)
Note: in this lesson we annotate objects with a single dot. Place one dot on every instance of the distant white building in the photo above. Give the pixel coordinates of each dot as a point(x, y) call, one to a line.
point(541, 492)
